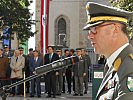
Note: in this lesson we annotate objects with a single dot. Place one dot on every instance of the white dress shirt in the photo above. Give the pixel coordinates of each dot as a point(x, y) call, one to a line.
point(111, 59)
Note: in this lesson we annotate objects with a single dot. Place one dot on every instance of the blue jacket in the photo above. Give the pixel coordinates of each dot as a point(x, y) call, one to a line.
point(34, 64)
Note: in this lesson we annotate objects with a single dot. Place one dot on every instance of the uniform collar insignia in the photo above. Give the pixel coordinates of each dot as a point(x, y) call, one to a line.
point(130, 83)
point(117, 64)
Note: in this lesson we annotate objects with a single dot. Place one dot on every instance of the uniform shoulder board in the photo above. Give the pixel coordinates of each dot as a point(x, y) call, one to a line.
point(117, 64)
point(130, 83)
point(131, 56)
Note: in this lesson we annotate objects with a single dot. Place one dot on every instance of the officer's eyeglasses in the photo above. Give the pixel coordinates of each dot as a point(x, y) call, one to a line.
point(93, 29)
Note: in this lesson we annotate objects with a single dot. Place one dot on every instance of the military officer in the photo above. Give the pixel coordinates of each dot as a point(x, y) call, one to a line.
point(79, 71)
point(59, 75)
point(7, 52)
point(108, 34)
point(88, 64)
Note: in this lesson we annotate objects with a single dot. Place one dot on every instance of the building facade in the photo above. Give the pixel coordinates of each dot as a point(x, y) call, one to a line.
point(66, 21)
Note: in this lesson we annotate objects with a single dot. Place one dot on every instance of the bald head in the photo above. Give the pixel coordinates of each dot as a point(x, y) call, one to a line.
point(17, 53)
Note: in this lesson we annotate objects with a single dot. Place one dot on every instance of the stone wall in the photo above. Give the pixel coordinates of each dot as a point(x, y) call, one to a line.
point(38, 28)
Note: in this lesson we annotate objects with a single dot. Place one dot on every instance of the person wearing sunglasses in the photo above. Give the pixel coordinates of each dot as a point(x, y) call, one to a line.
point(107, 30)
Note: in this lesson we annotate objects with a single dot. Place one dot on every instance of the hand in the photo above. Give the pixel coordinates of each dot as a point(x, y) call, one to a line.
point(57, 73)
point(15, 70)
point(84, 74)
point(63, 74)
point(72, 74)
point(34, 72)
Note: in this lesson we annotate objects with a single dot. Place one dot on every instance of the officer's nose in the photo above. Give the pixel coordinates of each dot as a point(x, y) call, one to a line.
point(90, 35)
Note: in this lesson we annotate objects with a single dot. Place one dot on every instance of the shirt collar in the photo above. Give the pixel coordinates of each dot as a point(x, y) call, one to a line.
point(51, 54)
point(111, 59)
point(79, 56)
point(36, 58)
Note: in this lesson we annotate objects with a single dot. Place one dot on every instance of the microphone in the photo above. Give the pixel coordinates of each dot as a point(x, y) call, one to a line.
point(56, 65)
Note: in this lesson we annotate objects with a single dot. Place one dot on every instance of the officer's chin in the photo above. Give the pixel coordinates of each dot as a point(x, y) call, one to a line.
point(96, 51)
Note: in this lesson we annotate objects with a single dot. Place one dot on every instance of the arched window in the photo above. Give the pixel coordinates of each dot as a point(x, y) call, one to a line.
point(61, 32)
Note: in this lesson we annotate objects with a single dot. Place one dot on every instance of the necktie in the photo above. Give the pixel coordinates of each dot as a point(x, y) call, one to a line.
point(50, 57)
point(16, 59)
point(35, 60)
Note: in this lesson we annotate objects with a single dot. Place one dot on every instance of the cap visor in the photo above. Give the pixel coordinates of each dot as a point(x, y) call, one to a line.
point(92, 25)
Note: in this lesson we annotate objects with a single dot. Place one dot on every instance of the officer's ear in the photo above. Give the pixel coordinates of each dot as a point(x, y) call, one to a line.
point(117, 28)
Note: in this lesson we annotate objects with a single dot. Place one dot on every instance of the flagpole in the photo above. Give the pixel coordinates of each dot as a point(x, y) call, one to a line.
point(24, 86)
point(47, 22)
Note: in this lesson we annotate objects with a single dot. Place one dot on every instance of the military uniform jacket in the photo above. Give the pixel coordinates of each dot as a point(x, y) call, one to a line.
point(118, 85)
point(61, 71)
point(80, 67)
point(87, 62)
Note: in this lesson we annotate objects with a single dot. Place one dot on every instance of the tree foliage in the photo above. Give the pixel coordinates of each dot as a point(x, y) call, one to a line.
point(125, 5)
point(15, 15)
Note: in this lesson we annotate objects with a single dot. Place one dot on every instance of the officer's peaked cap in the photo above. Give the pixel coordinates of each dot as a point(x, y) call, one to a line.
point(5, 46)
point(77, 49)
point(20, 48)
point(58, 50)
point(99, 13)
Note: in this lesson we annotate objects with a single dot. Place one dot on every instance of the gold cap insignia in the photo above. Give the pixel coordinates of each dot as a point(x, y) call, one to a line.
point(117, 64)
point(87, 7)
point(88, 15)
point(131, 56)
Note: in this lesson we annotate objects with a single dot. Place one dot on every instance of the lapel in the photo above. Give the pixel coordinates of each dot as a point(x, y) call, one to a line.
point(107, 77)
point(18, 61)
point(38, 59)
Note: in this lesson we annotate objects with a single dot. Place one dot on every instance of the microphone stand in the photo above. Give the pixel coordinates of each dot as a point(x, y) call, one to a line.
point(56, 65)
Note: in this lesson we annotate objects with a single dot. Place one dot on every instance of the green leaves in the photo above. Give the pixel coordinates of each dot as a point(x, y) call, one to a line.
point(125, 5)
point(15, 14)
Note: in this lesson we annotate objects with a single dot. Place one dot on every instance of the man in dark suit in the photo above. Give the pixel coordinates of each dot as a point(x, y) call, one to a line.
point(68, 74)
point(109, 37)
point(72, 53)
point(51, 76)
point(27, 73)
point(35, 62)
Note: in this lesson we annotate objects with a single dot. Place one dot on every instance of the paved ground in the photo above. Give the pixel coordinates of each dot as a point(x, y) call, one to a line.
point(62, 97)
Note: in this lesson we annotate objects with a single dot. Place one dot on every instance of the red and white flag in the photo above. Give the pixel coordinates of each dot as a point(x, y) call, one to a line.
point(44, 24)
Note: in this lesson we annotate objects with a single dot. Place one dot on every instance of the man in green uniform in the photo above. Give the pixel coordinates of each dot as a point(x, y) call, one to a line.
point(108, 34)
point(79, 72)
point(88, 64)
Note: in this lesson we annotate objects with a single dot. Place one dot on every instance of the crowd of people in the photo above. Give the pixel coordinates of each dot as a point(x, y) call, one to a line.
point(13, 66)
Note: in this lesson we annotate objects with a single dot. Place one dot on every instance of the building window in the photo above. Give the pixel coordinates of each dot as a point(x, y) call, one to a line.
point(61, 32)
